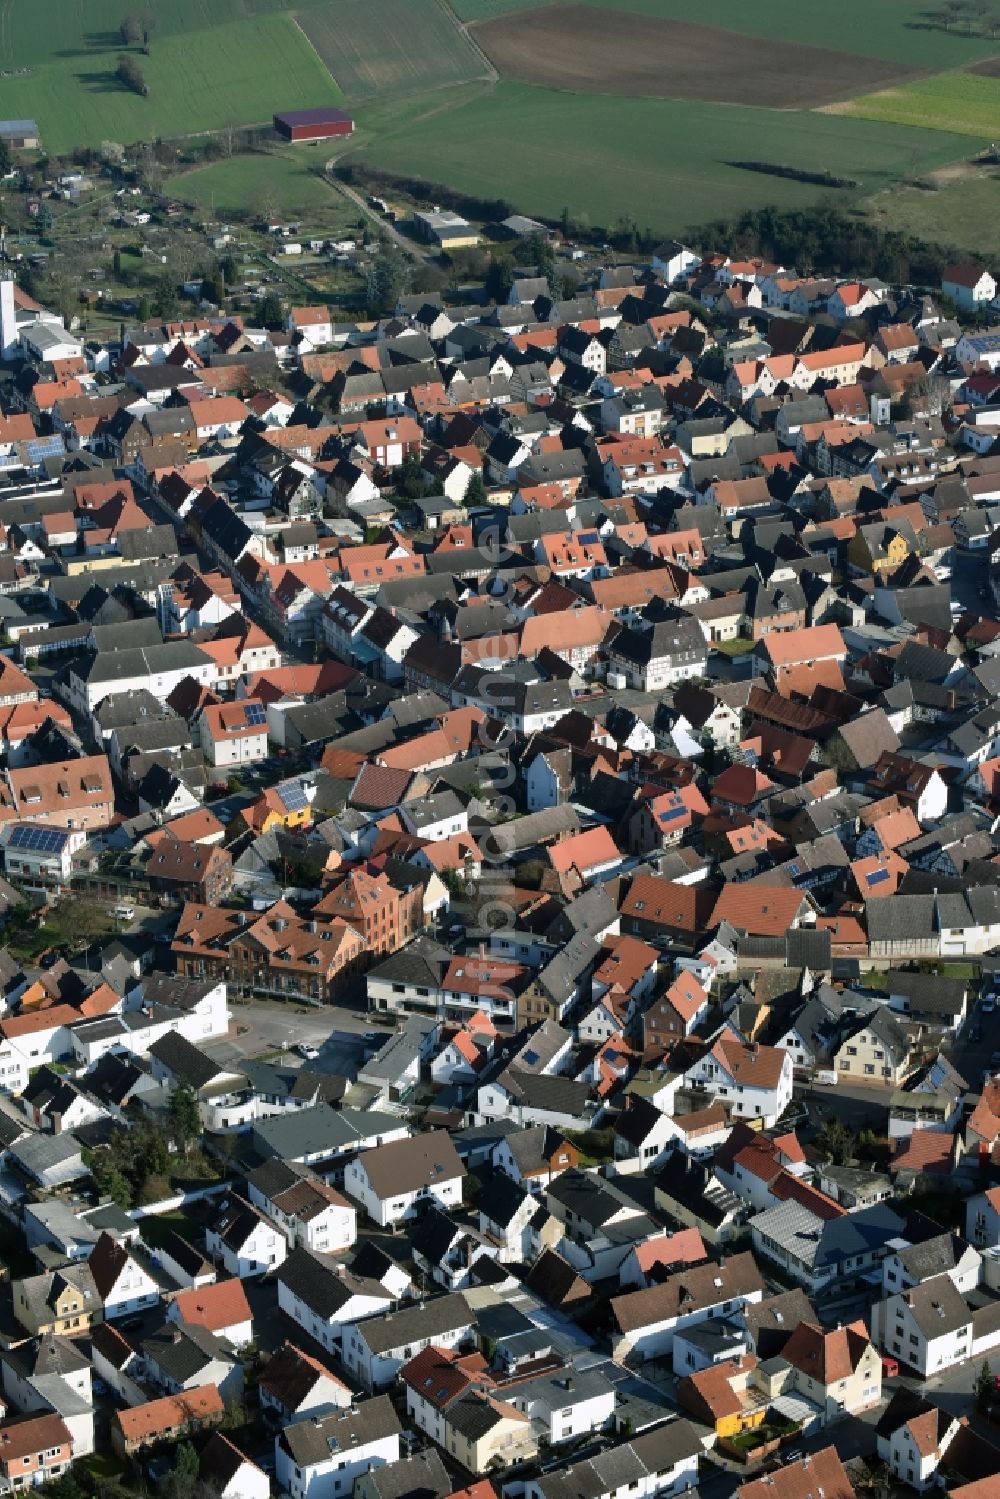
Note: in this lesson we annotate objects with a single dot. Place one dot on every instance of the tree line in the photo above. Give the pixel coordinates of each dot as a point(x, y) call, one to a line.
point(976, 14)
point(827, 239)
point(135, 30)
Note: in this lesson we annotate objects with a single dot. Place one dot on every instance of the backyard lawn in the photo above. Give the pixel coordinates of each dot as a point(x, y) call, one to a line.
point(69, 925)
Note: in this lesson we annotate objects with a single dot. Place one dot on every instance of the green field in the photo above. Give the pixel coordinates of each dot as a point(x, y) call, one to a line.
point(286, 178)
point(967, 103)
point(423, 109)
point(663, 162)
point(961, 213)
point(239, 73)
point(36, 30)
point(390, 47)
point(487, 10)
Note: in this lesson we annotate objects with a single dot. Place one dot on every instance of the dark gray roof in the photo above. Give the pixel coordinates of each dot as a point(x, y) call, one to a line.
point(859, 1233)
point(432, 1235)
point(555, 1095)
point(904, 917)
point(937, 1306)
point(187, 1062)
point(935, 1256)
point(183, 1350)
point(311, 1442)
point(624, 1467)
point(146, 661)
point(423, 963)
point(324, 1286)
point(473, 1416)
point(590, 1198)
point(411, 1323)
point(319, 1130)
point(419, 1475)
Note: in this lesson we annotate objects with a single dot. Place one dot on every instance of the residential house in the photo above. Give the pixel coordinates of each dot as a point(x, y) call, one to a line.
point(166, 1420)
point(246, 1242)
point(392, 1181)
point(656, 1464)
point(323, 1457)
point(755, 1081)
point(122, 1283)
point(838, 1369)
point(644, 1322)
point(311, 1213)
point(34, 1450)
point(295, 1386)
point(325, 1300)
point(221, 1307)
point(375, 1350)
point(913, 1436)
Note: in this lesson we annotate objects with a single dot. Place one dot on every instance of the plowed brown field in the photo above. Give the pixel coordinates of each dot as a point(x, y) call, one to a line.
point(586, 50)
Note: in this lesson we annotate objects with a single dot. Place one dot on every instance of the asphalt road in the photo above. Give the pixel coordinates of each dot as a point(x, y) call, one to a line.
point(972, 1057)
point(968, 576)
point(409, 247)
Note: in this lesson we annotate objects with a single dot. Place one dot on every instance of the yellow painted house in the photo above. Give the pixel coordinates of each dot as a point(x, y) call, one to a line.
point(878, 549)
point(62, 1301)
point(283, 806)
point(720, 1397)
point(482, 1432)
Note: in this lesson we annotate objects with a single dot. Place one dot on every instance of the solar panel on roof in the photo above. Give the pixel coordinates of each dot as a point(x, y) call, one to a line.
point(255, 713)
point(38, 448)
point(877, 876)
point(38, 840)
point(672, 813)
point(293, 796)
point(587, 538)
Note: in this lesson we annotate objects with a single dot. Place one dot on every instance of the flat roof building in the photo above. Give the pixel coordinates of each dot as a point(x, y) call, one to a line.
point(449, 230)
point(20, 133)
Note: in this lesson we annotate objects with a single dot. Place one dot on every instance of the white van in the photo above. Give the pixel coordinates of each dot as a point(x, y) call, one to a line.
point(123, 912)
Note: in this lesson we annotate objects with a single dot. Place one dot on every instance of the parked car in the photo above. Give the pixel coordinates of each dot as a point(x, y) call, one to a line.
point(890, 1366)
point(988, 1004)
point(306, 1050)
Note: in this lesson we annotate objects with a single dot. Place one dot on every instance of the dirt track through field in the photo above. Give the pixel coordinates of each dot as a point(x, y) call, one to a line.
point(586, 50)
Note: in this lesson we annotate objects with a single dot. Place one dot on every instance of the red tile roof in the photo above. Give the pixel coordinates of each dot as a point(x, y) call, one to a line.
point(215, 1307)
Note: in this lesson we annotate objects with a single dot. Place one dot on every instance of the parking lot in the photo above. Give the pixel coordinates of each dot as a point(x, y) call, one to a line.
point(343, 1035)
